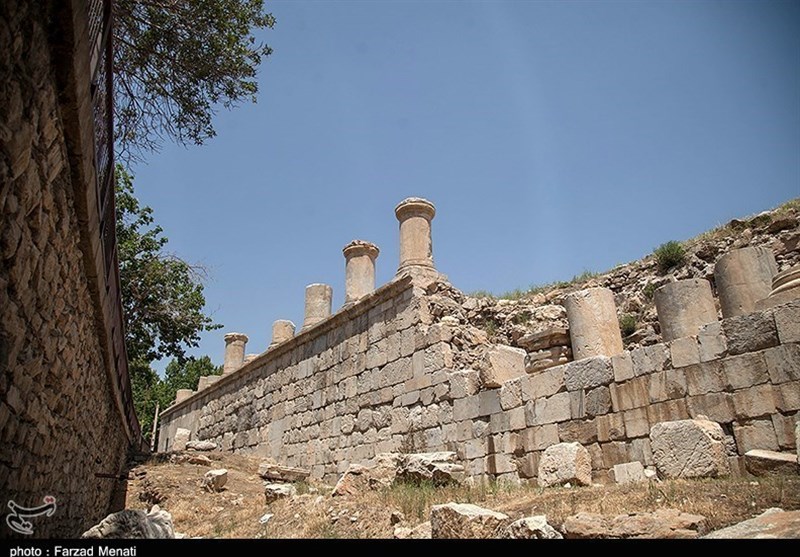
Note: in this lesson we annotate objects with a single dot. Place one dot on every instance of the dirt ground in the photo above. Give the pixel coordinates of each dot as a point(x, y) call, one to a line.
point(235, 511)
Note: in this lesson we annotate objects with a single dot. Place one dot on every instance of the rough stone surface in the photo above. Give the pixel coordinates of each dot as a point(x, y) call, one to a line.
point(420, 532)
point(275, 472)
point(201, 446)
point(588, 373)
point(684, 307)
point(629, 472)
point(436, 468)
point(765, 463)
point(771, 524)
point(749, 333)
point(358, 478)
point(215, 480)
point(181, 440)
point(503, 363)
point(466, 521)
point(134, 525)
point(565, 463)
point(593, 325)
point(275, 491)
point(531, 528)
point(689, 449)
point(663, 523)
point(542, 340)
point(743, 277)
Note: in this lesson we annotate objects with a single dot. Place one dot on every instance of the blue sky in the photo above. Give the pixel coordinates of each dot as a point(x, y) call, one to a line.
point(553, 138)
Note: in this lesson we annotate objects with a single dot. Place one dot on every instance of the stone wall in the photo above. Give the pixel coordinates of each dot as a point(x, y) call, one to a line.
point(59, 423)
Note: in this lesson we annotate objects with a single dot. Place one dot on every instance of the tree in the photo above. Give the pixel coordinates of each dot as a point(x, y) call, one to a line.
point(162, 305)
point(175, 61)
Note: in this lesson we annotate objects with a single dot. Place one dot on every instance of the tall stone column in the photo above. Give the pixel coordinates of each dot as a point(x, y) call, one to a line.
point(683, 307)
point(234, 351)
point(743, 277)
point(282, 330)
point(785, 288)
point(416, 247)
point(318, 304)
point(359, 270)
point(593, 323)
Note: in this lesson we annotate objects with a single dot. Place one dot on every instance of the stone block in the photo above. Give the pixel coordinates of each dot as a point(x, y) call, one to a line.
point(784, 430)
point(787, 321)
point(787, 396)
point(712, 342)
point(623, 367)
point(489, 403)
point(466, 408)
point(531, 528)
point(689, 449)
point(629, 472)
point(182, 437)
point(466, 521)
point(528, 465)
point(610, 427)
point(615, 452)
point(667, 411)
point(716, 406)
point(754, 402)
point(588, 373)
point(640, 450)
point(783, 363)
point(511, 395)
point(631, 394)
point(767, 463)
point(751, 332)
point(565, 463)
point(502, 363)
point(636, 422)
point(546, 383)
point(704, 378)
point(597, 401)
point(746, 370)
point(516, 418)
point(548, 410)
point(538, 438)
point(464, 383)
point(685, 351)
point(755, 434)
point(578, 431)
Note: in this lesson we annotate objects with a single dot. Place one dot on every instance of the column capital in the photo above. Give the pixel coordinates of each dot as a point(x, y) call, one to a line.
point(357, 248)
point(415, 207)
point(233, 337)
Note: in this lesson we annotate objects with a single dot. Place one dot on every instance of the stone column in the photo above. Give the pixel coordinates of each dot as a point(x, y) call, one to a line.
point(416, 248)
point(234, 351)
point(182, 394)
point(282, 330)
point(743, 277)
point(785, 288)
point(359, 270)
point(683, 307)
point(593, 323)
point(318, 304)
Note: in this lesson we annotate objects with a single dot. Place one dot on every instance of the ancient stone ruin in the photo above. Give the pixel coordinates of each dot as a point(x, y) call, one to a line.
point(400, 369)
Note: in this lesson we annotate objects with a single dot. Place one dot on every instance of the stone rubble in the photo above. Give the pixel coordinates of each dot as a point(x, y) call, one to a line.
point(531, 528)
point(271, 471)
point(133, 524)
point(466, 521)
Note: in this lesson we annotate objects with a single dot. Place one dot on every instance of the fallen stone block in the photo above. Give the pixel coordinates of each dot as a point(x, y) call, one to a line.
point(766, 463)
point(531, 528)
point(663, 523)
point(215, 480)
point(629, 472)
point(181, 439)
point(359, 478)
point(466, 521)
point(201, 445)
point(565, 463)
point(276, 472)
point(501, 364)
point(689, 449)
point(771, 524)
point(420, 532)
point(437, 468)
point(133, 524)
point(273, 492)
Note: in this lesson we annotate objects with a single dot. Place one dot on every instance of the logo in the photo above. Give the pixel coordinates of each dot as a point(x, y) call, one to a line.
point(17, 519)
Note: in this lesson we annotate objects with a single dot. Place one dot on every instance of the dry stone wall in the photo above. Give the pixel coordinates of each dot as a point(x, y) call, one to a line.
point(59, 426)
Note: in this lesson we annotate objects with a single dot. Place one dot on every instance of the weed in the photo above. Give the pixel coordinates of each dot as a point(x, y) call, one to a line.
point(627, 324)
point(669, 255)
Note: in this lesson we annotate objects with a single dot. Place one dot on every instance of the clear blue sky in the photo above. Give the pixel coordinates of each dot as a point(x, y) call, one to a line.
point(553, 137)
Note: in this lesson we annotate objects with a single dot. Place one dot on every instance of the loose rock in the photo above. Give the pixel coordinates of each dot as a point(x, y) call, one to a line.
point(772, 523)
point(663, 523)
point(215, 480)
point(565, 463)
point(764, 463)
point(689, 449)
point(134, 524)
point(531, 528)
point(465, 521)
point(273, 492)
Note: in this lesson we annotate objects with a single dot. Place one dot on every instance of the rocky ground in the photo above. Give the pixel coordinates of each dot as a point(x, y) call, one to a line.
point(239, 508)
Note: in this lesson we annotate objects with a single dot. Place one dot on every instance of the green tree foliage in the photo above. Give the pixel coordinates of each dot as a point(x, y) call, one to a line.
point(162, 304)
point(175, 62)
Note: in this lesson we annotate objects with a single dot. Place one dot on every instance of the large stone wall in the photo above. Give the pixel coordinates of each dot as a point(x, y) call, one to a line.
point(60, 427)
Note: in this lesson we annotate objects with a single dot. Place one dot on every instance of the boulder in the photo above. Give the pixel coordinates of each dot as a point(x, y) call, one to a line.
point(215, 480)
point(421, 532)
point(378, 473)
point(466, 521)
point(275, 472)
point(501, 364)
point(772, 523)
point(134, 524)
point(201, 445)
point(663, 523)
point(765, 463)
point(689, 449)
point(629, 472)
point(181, 439)
point(565, 463)
point(436, 468)
point(273, 492)
point(531, 528)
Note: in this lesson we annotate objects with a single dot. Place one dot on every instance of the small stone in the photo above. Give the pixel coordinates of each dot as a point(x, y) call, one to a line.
point(396, 518)
point(266, 518)
point(201, 445)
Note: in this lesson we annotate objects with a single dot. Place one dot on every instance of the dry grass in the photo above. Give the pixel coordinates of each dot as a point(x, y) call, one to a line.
point(235, 512)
